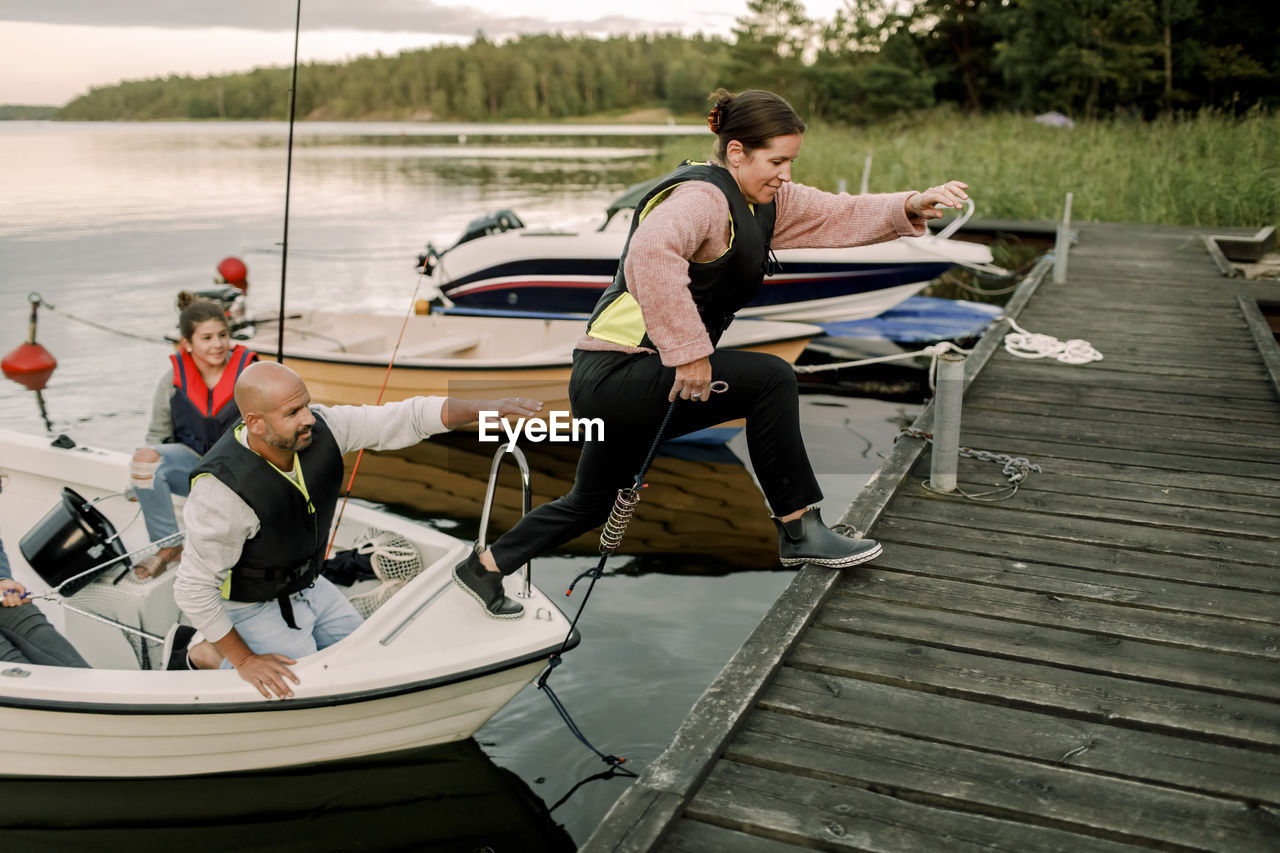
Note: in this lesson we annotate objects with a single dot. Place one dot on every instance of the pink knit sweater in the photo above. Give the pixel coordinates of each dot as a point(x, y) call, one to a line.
point(692, 224)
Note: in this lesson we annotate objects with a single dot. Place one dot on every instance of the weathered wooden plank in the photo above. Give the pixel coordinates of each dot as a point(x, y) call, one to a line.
point(692, 836)
point(1263, 338)
point(1043, 450)
point(1048, 738)
point(1098, 504)
point(976, 782)
point(1141, 433)
point(1007, 368)
point(1214, 574)
point(1002, 519)
point(1152, 593)
point(639, 827)
point(1046, 394)
point(1249, 378)
point(1152, 707)
point(1134, 413)
point(1082, 647)
point(829, 816)
point(1101, 482)
point(1111, 335)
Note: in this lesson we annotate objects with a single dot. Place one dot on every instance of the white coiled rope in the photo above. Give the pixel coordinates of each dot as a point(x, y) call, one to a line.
point(1024, 344)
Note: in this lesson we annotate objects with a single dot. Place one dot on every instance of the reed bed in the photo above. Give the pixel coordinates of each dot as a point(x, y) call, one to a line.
point(1205, 170)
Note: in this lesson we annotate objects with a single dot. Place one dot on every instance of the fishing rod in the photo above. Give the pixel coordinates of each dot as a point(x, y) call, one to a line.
point(288, 179)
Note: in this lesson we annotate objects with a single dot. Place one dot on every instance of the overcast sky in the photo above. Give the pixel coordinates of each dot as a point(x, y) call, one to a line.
point(54, 50)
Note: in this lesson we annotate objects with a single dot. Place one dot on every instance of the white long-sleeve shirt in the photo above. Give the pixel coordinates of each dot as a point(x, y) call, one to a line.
point(218, 522)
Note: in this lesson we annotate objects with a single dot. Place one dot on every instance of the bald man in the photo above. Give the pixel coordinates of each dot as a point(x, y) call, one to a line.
point(262, 501)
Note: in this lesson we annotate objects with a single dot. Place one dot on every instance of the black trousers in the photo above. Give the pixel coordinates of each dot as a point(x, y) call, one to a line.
point(629, 394)
point(27, 637)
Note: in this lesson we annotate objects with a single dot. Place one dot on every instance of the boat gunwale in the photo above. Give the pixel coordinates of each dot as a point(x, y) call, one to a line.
point(328, 700)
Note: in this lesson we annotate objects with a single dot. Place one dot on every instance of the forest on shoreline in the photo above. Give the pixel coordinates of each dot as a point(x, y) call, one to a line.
point(876, 59)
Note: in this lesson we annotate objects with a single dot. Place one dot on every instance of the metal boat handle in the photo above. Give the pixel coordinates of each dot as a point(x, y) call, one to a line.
point(954, 225)
point(526, 502)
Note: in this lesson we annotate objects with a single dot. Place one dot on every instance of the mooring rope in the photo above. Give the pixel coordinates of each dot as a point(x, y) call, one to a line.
point(40, 300)
point(1015, 468)
point(931, 351)
point(1024, 344)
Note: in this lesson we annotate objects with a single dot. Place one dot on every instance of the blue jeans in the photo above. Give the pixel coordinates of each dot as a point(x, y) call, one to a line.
point(323, 615)
point(173, 477)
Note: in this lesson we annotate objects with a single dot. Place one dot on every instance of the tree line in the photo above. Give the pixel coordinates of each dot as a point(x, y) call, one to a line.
point(531, 77)
point(876, 58)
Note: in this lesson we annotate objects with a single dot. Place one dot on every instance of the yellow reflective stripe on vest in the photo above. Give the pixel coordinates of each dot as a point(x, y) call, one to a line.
point(622, 322)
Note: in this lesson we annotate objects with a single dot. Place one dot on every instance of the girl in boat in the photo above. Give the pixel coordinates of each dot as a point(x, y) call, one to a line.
point(699, 248)
point(193, 407)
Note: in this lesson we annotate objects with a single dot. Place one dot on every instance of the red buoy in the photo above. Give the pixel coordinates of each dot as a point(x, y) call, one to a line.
point(232, 271)
point(30, 365)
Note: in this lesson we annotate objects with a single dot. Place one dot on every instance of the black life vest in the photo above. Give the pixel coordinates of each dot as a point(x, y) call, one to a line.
point(720, 287)
point(287, 553)
point(200, 414)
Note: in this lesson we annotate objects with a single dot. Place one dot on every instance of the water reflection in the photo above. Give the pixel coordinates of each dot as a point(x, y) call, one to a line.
point(701, 512)
point(446, 798)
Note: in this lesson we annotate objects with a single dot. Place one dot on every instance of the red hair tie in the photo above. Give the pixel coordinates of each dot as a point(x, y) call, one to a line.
point(714, 118)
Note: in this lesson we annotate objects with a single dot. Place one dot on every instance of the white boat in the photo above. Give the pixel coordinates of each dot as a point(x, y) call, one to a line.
point(426, 667)
point(500, 264)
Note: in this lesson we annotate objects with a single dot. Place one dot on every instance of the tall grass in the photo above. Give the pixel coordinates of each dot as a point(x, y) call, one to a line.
point(1205, 170)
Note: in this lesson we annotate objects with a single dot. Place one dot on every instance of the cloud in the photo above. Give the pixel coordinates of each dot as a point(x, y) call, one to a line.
point(421, 16)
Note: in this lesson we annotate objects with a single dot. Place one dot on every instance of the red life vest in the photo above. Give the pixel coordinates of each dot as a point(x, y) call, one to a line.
point(200, 414)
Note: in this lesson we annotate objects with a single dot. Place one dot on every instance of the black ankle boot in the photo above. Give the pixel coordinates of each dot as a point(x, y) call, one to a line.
point(485, 587)
point(808, 540)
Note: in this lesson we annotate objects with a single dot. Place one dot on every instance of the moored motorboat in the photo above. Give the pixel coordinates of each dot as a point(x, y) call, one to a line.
point(343, 356)
point(911, 325)
point(500, 263)
point(426, 667)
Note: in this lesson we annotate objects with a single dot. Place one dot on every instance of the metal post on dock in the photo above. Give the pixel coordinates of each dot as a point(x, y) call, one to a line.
point(866, 175)
point(946, 422)
point(1061, 245)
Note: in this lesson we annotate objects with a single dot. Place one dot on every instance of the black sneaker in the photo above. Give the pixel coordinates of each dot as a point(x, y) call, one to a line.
point(486, 587)
point(174, 651)
point(808, 540)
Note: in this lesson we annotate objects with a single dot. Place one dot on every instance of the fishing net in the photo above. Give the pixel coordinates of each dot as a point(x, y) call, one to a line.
point(395, 561)
point(120, 596)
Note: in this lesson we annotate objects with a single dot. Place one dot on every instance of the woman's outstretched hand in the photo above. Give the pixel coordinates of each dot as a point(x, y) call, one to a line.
point(925, 205)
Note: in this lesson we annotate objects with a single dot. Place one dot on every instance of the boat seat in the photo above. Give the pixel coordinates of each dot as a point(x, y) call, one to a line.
point(304, 342)
point(446, 345)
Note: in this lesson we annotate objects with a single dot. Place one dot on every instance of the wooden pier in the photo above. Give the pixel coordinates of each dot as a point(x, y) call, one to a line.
point(1090, 664)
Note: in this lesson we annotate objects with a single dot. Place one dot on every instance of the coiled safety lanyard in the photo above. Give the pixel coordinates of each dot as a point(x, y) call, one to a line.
point(624, 507)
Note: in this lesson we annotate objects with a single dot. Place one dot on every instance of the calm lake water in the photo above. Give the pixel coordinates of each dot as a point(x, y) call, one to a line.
point(108, 222)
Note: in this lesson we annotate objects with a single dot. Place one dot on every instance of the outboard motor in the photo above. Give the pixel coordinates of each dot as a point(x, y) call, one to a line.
point(491, 223)
point(494, 222)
